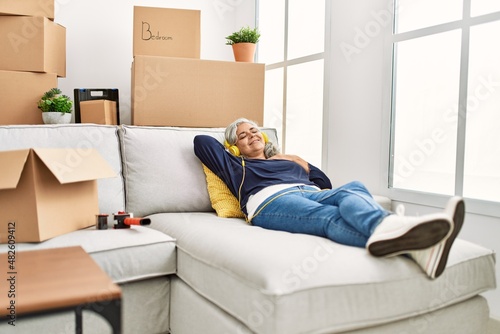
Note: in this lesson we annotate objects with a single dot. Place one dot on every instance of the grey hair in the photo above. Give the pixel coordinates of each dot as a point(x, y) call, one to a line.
point(231, 138)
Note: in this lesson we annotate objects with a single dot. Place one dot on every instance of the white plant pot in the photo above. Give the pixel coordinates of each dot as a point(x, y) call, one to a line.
point(53, 117)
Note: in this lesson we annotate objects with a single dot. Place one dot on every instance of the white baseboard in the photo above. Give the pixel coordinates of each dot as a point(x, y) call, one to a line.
point(494, 326)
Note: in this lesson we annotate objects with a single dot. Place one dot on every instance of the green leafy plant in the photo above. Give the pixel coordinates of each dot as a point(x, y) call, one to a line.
point(54, 100)
point(244, 35)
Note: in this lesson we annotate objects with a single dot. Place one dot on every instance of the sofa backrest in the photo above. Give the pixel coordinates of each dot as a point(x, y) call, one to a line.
point(79, 138)
point(156, 168)
point(161, 171)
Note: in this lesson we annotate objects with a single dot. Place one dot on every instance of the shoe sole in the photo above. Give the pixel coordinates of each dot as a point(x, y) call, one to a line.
point(458, 220)
point(419, 237)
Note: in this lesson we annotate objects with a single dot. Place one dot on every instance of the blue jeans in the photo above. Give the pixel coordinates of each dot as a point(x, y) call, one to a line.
point(347, 215)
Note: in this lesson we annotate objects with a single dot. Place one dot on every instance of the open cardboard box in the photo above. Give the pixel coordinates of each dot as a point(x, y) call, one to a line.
point(48, 192)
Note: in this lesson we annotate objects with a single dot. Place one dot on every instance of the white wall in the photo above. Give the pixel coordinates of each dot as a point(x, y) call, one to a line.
point(358, 133)
point(99, 39)
point(356, 100)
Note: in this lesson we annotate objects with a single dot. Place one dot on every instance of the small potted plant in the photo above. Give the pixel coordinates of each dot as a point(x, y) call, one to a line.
point(243, 43)
point(56, 108)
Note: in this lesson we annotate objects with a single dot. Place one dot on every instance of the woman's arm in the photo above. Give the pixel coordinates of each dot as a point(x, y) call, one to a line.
point(317, 176)
point(210, 152)
point(294, 158)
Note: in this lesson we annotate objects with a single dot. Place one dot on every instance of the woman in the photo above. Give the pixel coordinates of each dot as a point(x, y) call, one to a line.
point(284, 192)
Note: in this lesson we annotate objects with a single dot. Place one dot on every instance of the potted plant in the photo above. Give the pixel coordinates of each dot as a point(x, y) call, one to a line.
point(56, 108)
point(243, 43)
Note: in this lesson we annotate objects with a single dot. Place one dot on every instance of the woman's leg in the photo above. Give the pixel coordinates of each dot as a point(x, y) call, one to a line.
point(396, 234)
point(346, 214)
point(297, 213)
point(356, 206)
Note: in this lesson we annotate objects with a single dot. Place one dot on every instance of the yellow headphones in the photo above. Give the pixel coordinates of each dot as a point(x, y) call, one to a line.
point(234, 150)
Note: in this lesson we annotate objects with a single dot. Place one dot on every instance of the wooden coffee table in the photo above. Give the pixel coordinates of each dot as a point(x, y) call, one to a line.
point(55, 280)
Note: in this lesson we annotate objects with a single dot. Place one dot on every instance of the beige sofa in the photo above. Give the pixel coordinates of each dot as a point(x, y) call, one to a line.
point(193, 272)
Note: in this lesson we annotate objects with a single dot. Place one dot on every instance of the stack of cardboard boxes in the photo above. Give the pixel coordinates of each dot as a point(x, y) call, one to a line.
point(38, 192)
point(172, 86)
point(33, 55)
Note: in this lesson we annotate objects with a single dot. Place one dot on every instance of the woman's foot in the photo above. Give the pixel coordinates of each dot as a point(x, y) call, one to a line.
point(433, 260)
point(400, 234)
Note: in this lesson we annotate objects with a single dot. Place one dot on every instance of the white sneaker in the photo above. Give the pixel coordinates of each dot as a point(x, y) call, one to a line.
point(399, 234)
point(433, 260)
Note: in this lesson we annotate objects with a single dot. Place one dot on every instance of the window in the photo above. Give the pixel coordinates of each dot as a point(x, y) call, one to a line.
point(445, 136)
point(292, 46)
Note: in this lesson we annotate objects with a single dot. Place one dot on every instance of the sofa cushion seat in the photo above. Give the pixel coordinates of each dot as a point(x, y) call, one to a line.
point(126, 255)
point(278, 282)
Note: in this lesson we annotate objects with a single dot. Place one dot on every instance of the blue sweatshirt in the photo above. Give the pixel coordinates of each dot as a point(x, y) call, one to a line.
point(259, 173)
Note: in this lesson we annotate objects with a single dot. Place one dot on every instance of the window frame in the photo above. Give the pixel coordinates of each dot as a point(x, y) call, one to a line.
point(285, 63)
point(482, 207)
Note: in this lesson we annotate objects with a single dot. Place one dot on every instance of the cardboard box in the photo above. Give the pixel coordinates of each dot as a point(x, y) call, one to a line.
point(48, 192)
point(166, 32)
point(44, 8)
point(20, 92)
point(33, 44)
point(195, 93)
point(98, 112)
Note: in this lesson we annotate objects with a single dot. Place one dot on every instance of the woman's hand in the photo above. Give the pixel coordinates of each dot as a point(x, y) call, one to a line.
point(294, 158)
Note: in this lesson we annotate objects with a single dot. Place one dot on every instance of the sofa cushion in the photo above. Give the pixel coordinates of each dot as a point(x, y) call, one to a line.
point(225, 204)
point(152, 155)
point(126, 255)
point(80, 137)
point(278, 282)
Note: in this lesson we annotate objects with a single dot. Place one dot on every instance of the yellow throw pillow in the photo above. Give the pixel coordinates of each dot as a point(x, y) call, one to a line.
point(223, 201)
